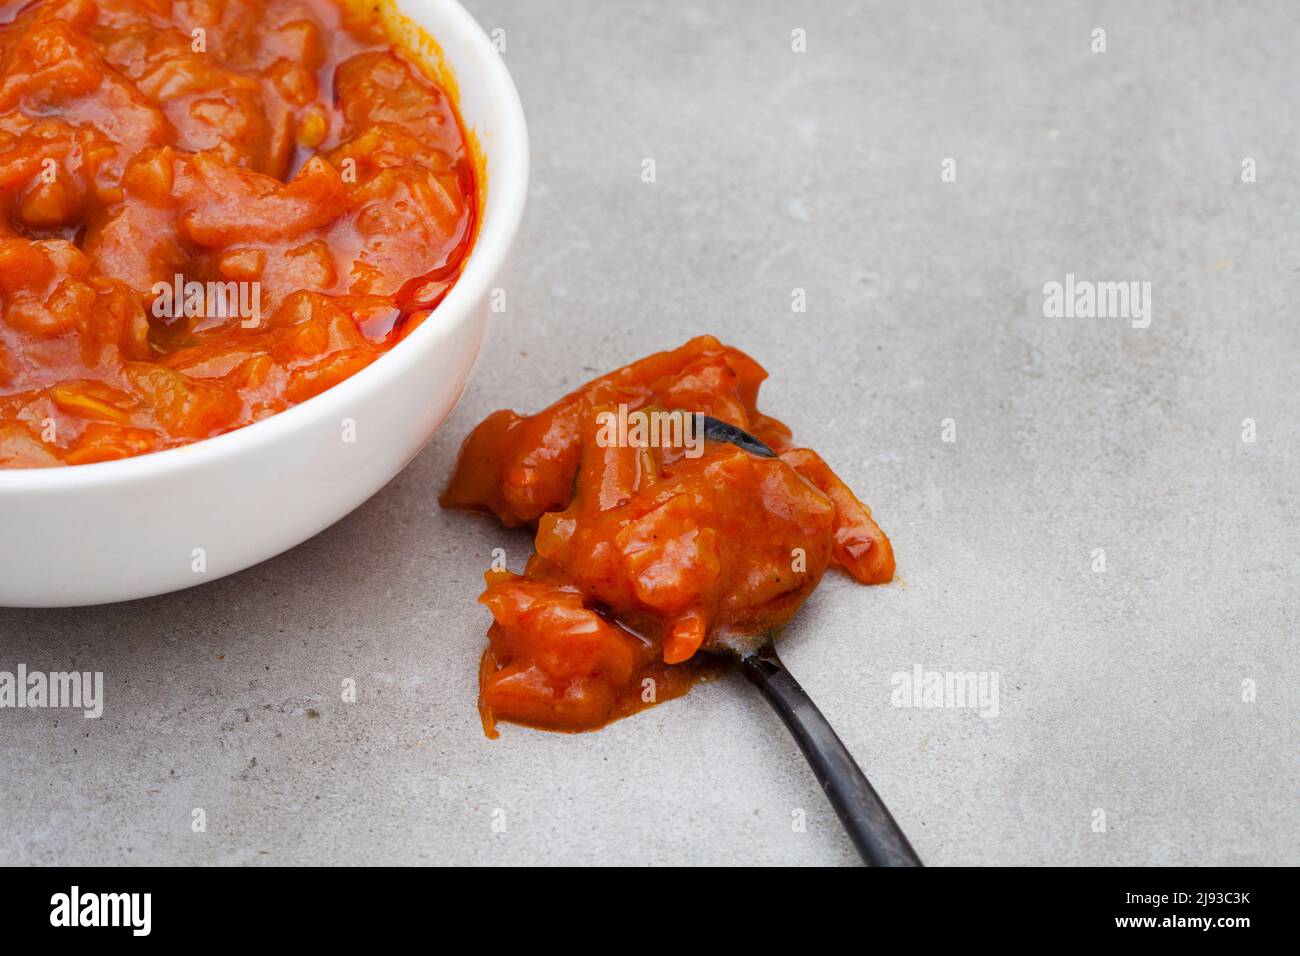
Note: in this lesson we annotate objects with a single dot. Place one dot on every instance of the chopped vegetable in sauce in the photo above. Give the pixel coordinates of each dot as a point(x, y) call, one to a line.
point(210, 212)
point(648, 552)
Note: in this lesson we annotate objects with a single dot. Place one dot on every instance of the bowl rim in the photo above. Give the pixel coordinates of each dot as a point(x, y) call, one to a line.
point(501, 215)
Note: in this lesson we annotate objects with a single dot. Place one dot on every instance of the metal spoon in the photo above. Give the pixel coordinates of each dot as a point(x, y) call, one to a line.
point(868, 821)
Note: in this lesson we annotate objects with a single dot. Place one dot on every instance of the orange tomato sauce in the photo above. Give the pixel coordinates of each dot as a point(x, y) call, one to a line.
point(648, 553)
point(210, 210)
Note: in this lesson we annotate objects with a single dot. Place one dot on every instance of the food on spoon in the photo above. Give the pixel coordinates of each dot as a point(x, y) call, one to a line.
point(648, 551)
point(211, 212)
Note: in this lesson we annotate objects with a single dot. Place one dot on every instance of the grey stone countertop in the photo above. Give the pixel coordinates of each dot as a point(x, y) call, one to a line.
point(1101, 536)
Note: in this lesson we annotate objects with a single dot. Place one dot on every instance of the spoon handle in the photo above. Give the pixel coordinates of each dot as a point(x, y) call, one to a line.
point(864, 815)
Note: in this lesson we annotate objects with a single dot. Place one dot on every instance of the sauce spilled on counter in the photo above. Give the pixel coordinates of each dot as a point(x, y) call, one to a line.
point(647, 553)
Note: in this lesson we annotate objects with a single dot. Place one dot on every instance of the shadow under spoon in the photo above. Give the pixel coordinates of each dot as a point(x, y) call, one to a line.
point(868, 821)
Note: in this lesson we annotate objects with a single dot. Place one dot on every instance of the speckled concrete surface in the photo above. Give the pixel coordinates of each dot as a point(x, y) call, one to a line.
point(1125, 691)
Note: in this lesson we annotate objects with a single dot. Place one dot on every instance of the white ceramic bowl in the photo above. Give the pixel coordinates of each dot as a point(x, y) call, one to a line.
point(90, 534)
